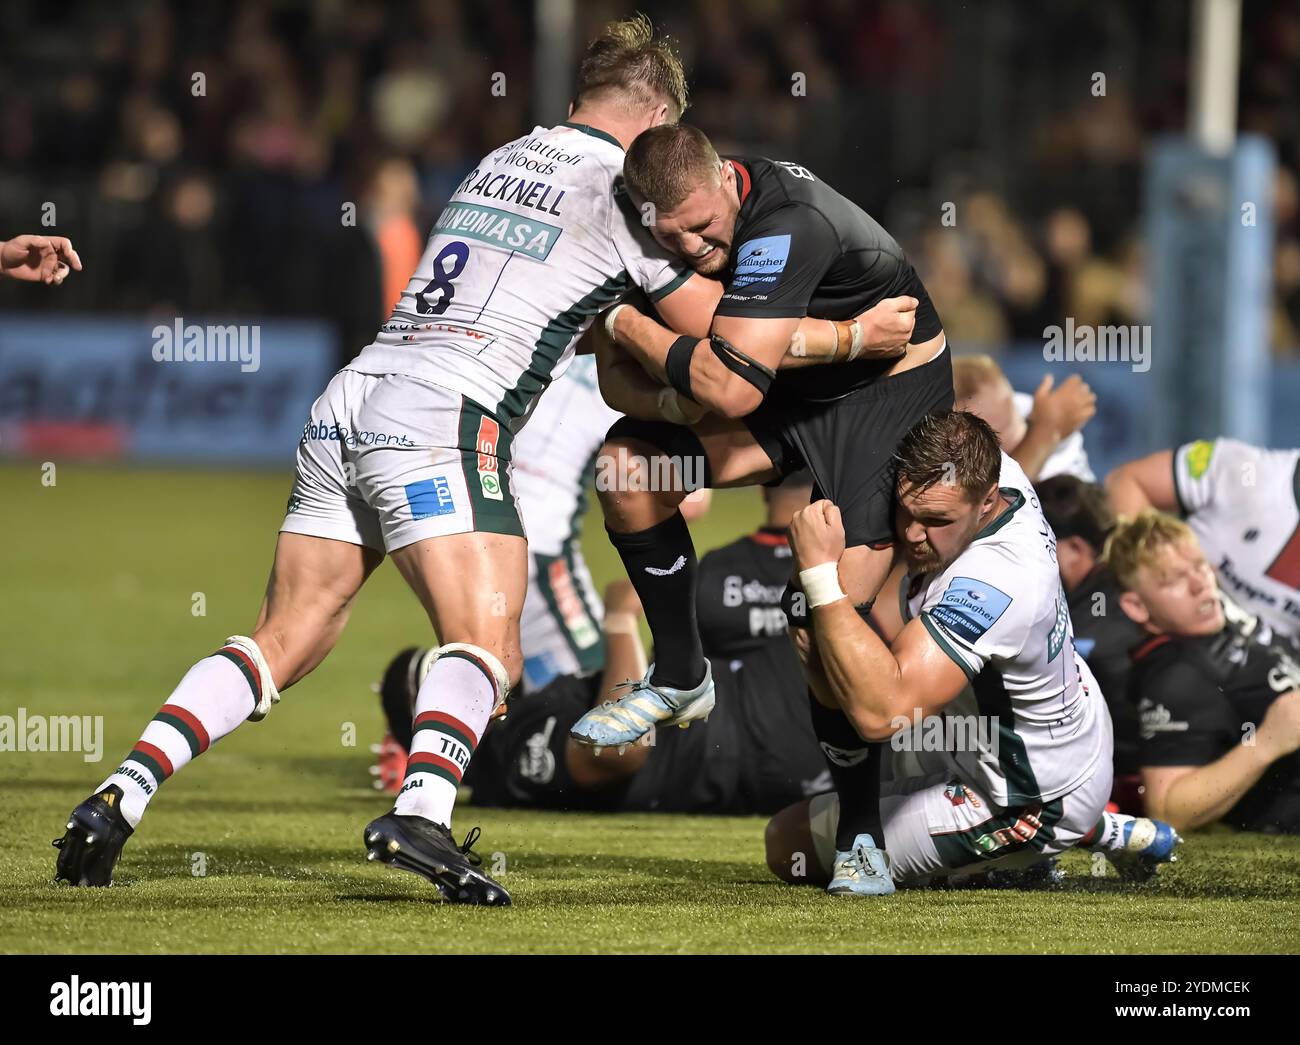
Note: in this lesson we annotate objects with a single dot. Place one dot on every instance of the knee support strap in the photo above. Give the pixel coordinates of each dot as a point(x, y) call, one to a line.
point(266, 694)
point(487, 662)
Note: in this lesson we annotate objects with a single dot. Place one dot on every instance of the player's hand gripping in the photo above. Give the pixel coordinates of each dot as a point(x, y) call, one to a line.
point(817, 535)
point(38, 259)
point(887, 327)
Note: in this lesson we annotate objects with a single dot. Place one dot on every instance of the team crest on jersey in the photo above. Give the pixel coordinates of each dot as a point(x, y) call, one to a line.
point(761, 261)
point(1198, 457)
point(489, 477)
point(970, 607)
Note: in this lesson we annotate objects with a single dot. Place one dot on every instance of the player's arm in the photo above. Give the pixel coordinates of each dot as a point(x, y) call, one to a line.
point(1056, 415)
point(880, 332)
point(879, 687)
point(624, 384)
point(1190, 796)
point(1145, 483)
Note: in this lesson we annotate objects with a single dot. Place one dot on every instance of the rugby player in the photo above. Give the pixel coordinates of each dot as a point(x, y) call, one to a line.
point(408, 453)
point(1217, 689)
point(1043, 432)
point(1242, 503)
point(784, 245)
point(756, 754)
point(986, 634)
point(560, 629)
point(38, 259)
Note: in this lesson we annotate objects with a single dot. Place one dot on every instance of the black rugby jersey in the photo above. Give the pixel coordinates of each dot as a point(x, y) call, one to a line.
point(1195, 697)
point(800, 249)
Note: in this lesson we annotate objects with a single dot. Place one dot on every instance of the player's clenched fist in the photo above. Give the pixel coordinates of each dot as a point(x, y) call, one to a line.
point(38, 259)
point(817, 535)
point(888, 324)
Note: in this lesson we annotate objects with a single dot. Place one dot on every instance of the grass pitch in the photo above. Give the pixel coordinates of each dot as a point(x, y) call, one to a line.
point(115, 581)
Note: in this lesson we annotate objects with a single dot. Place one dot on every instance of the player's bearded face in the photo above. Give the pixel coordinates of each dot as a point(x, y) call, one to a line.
point(935, 525)
point(1179, 591)
point(700, 228)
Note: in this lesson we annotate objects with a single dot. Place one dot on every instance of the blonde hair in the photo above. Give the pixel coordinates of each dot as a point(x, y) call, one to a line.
point(626, 59)
point(1138, 541)
point(971, 373)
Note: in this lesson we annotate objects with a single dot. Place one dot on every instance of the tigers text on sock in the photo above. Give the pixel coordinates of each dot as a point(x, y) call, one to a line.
point(41, 733)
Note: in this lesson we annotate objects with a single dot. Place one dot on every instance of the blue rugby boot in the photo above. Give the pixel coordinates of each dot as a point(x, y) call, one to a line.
point(646, 705)
point(862, 871)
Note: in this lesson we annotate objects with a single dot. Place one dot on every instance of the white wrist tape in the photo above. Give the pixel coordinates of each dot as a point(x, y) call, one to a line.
point(821, 583)
point(610, 317)
point(855, 346)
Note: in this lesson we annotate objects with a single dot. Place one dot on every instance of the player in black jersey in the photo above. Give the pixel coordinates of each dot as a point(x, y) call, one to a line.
point(756, 754)
point(784, 246)
point(1217, 690)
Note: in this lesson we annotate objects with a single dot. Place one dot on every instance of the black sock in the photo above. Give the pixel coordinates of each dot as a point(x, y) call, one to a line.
point(858, 784)
point(661, 564)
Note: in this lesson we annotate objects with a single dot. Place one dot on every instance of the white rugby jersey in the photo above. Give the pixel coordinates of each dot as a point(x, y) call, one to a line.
point(554, 457)
point(1241, 502)
point(532, 244)
point(998, 611)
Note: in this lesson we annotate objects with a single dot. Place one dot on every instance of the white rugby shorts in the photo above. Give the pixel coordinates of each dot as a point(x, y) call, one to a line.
point(388, 460)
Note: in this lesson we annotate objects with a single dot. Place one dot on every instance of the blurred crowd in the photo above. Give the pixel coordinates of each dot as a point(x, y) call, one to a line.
point(289, 157)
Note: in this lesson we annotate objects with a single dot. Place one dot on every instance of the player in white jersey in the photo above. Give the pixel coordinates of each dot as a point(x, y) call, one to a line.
point(407, 453)
point(1242, 503)
point(560, 629)
point(985, 656)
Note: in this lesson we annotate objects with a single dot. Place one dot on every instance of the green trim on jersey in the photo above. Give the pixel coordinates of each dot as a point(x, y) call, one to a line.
point(552, 343)
point(1017, 502)
point(594, 132)
point(979, 843)
point(670, 286)
point(937, 634)
point(491, 500)
point(905, 582)
point(1013, 759)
